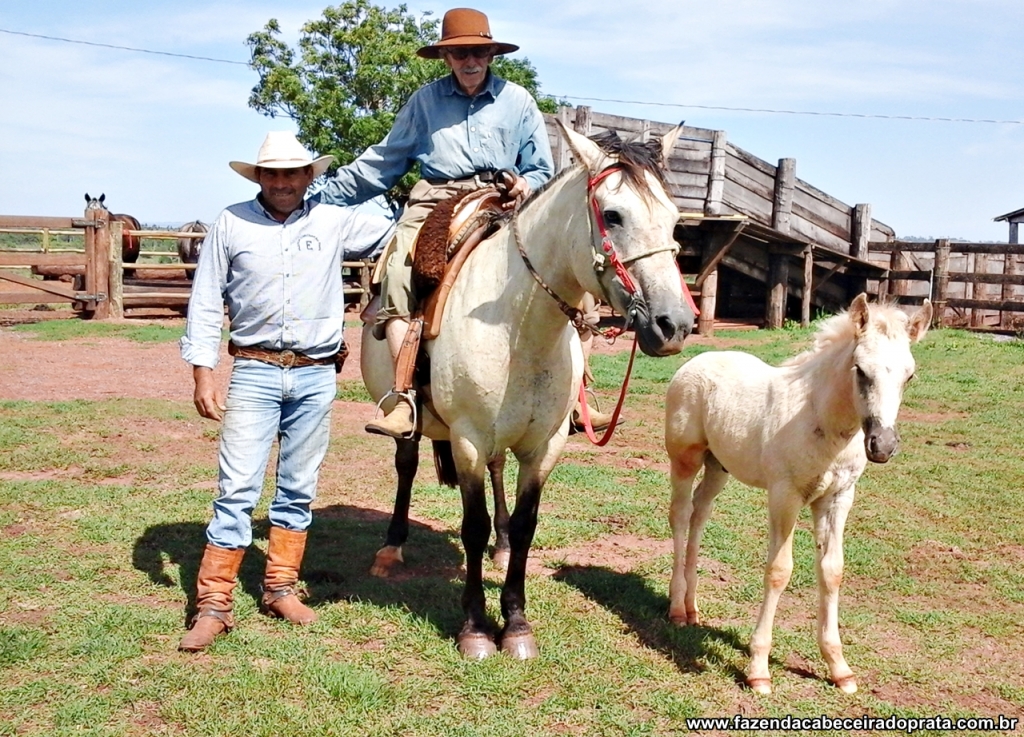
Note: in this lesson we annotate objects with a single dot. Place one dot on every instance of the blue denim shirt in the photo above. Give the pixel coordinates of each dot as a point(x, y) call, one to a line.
point(452, 135)
point(281, 282)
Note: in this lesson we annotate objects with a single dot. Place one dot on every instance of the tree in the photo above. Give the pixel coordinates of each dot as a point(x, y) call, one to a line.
point(352, 71)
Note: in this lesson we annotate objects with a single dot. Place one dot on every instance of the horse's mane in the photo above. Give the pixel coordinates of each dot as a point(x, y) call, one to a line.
point(838, 330)
point(635, 157)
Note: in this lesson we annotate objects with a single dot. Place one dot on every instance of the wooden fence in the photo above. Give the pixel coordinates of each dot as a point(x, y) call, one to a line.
point(99, 289)
point(973, 285)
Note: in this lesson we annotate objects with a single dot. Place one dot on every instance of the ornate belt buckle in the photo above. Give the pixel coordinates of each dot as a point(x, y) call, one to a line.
point(287, 358)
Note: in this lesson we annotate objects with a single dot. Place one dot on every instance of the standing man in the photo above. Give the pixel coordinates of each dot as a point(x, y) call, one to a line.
point(461, 129)
point(275, 261)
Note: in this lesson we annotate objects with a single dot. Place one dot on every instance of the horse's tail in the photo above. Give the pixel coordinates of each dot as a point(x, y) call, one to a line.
point(444, 464)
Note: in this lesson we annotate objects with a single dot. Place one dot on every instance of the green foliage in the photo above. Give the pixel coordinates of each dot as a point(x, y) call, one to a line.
point(351, 72)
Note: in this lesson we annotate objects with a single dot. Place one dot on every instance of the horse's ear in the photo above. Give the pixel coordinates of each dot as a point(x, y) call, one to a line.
point(102, 197)
point(920, 322)
point(585, 151)
point(668, 142)
point(87, 198)
point(859, 312)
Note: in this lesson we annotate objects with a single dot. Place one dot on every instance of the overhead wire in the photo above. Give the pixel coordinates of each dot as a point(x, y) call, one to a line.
point(573, 97)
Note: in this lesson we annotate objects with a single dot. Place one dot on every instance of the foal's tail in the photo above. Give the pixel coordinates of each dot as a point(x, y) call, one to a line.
point(444, 464)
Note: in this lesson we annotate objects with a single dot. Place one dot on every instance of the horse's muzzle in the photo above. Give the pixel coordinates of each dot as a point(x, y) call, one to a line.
point(662, 333)
point(880, 443)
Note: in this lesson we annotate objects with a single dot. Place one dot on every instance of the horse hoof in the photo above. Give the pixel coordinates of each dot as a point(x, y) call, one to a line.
point(476, 646)
point(387, 558)
point(760, 685)
point(501, 559)
point(684, 620)
point(520, 647)
point(846, 685)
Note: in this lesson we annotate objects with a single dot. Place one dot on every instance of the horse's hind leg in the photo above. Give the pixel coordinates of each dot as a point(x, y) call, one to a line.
point(407, 458)
point(689, 515)
point(830, 514)
point(500, 556)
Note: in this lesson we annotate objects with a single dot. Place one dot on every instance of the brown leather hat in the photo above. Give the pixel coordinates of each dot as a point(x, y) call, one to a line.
point(465, 27)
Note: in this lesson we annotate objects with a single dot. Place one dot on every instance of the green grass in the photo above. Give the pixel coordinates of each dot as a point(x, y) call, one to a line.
point(71, 329)
point(101, 530)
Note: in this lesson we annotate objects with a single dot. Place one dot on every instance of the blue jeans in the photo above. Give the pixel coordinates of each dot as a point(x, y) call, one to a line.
point(264, 402)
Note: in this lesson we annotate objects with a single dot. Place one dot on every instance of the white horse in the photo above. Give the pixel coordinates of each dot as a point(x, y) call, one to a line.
point(804, 432)
point(508, 363)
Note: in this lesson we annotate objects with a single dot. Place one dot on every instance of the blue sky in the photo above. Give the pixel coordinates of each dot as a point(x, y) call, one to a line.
point(155, 132)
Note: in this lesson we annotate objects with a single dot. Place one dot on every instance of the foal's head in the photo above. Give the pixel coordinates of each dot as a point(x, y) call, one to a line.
point(882, 366)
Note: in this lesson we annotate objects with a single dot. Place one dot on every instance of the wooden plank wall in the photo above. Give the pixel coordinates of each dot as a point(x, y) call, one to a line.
point(709, 175)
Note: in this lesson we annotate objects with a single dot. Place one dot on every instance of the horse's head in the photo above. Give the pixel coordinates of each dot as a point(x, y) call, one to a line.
point(630, 202)
point(882, 366)
point(93, 203)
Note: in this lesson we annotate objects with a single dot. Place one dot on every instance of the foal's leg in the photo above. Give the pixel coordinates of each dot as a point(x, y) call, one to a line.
point(517, 637)
point(683, 593)
point(830, 514)
point(475, 640)
point(407, 458)
point(501, 545)
point(783, 508)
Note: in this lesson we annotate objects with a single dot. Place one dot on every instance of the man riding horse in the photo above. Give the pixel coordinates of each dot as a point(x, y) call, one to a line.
point(462, 129)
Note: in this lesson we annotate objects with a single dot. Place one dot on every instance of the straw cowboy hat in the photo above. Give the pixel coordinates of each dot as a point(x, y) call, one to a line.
point(465, 27)
point(281, 150)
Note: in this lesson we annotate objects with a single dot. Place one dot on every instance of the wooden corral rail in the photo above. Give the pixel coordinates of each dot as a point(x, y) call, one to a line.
point(958, 278)
point(90, 297)
point(100, 290)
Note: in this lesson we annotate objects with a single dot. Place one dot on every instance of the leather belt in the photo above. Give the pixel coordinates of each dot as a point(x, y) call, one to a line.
point(486, 176)
point(284, 359)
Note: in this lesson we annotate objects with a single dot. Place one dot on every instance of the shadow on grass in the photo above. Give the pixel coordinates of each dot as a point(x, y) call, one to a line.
point(340, 549)
point(644, 612)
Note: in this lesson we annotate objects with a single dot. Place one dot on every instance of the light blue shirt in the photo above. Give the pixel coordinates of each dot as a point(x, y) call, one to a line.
point(453, 136)
point(281, 282)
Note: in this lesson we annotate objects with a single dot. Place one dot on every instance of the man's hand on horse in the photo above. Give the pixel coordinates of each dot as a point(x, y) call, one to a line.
point(208, 399)
point(517, 194)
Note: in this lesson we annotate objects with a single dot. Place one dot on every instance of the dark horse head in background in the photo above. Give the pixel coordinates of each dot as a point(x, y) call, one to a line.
point(130, 244)
point(188, 248)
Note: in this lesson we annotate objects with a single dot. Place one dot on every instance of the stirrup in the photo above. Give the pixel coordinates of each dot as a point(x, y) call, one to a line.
point(409, 396)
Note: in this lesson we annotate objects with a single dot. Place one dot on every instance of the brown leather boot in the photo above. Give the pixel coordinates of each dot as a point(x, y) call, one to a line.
point(284, 556)
point(398, 423)
point(599, 420)
point(218, 575)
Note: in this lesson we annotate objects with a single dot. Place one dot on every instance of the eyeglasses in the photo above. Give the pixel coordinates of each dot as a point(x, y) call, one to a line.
point(463, 53)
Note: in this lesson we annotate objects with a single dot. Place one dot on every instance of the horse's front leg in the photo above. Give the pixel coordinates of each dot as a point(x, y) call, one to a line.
point(476, 639)
point(517, 637)
point(783, 508)
point(501, 520)
point(407, 458)
point(830, 513)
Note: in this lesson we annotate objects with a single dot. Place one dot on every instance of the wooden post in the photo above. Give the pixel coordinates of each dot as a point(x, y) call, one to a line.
point(805, 300)
point(102, 283)
point(708, 303)
point(895, 288)
point(716, 175)
point(1010, 268)
point(115, 278)
point(365, 278)
point(940, 281)
point(645, 131)
point(582, 124)
point(860, 231)
point(563, 155)
point(778, 263)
